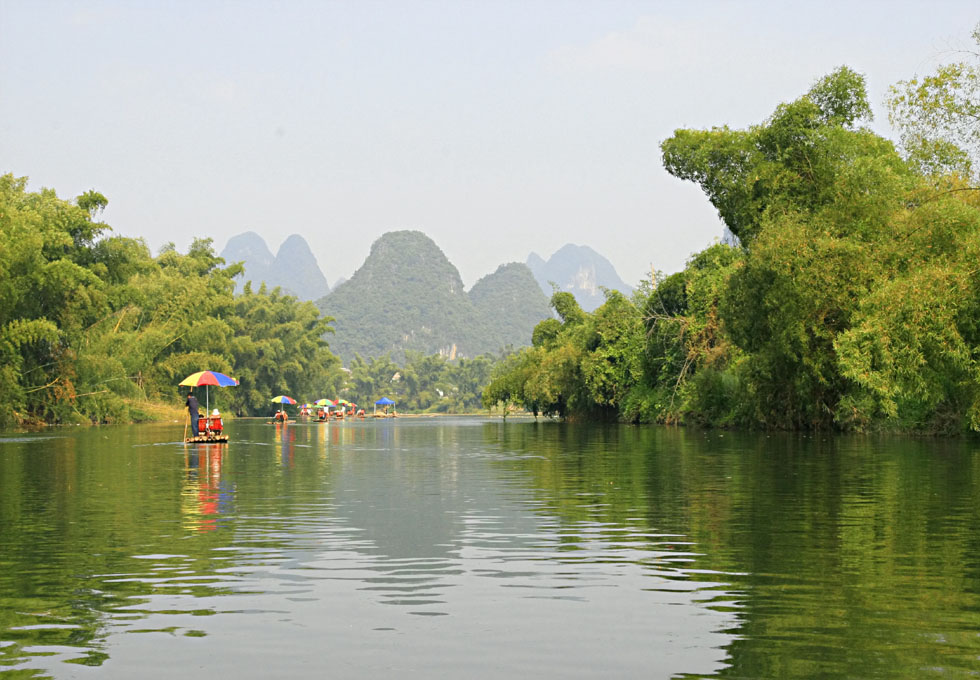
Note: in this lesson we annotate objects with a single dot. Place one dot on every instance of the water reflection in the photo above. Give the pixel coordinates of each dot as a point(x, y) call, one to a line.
point(206, 498)
point(471, 548)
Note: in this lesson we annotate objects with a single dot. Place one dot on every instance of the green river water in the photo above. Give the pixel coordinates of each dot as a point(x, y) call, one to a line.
point(476, 548)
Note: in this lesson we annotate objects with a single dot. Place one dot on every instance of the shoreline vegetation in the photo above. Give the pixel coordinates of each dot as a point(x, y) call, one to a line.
point(163, 413)
point(98, 330)
point(847, 297)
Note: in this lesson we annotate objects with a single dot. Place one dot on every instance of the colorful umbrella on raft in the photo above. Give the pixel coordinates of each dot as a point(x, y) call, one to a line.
point(208, 378)
point(283, 399)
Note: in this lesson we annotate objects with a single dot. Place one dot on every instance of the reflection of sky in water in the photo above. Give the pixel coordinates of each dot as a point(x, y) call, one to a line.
point(413, 559)
point(539, 605)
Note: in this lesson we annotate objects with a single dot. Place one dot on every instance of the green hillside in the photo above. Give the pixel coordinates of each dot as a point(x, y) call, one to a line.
point(408, 296)
point(511, 304)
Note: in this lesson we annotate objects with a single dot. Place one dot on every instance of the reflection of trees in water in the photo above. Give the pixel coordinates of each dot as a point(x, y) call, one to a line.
point(864, 549)
point(87, 538)
point(845, 544)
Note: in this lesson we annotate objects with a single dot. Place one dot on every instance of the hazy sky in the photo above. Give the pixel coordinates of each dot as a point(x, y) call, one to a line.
point(498, 128)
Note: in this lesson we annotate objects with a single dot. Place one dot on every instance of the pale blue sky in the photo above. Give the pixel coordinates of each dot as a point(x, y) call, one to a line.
point(495, 127)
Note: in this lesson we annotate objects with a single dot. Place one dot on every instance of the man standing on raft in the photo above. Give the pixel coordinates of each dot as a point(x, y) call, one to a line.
point(192, 407)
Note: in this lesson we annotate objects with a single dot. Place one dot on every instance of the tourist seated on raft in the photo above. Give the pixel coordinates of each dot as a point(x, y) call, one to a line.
point(216, 425)
point(280, 416)
point(210, 425)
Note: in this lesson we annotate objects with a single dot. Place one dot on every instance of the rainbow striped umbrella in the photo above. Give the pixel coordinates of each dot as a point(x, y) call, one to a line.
point(207, 378)
point(283, 399)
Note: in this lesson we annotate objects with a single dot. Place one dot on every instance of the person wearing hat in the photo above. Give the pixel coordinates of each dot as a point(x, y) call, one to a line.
point(216, 421)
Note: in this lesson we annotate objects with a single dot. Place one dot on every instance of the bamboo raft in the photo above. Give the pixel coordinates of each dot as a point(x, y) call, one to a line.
point(211, 431)
point(210, 438)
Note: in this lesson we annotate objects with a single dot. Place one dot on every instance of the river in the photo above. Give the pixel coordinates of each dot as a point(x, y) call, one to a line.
point(478, 548)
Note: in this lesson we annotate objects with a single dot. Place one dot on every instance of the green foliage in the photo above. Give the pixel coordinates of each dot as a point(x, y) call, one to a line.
point(938, 116)
point(850, 302)
point(788, 164)
point(567, 308)
point(545, 332)
point(424, 383)
point(685, 341)
point(508, 380)
point(580, 367)
point(853, 305)
point(912, 348)
point(278, 349)
point(94, 324)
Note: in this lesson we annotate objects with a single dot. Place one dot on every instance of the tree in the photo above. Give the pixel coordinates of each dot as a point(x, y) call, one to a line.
point(938, 116)
point(277, 348)
point(816, 197)
point(93, 324)
point(786, 164)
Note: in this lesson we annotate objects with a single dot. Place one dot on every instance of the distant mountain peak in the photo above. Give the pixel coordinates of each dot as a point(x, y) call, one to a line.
point(294, 268)
point(534, 260)
point(579, 270)
point(248, 247)
point(407, 295)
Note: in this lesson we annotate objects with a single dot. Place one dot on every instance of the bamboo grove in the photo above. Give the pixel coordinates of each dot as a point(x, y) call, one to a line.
point(849, 297)
point(95, 329)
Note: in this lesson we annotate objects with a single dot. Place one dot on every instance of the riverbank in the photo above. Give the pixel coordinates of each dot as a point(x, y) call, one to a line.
point(146, 411)
point(142, 411)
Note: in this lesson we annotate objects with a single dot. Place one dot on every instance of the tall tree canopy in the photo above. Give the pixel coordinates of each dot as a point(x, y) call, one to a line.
point(938, 115)
point(789, 163)
point(850, 301)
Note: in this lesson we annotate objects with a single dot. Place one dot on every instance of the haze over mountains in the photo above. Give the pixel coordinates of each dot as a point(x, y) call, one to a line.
point(580, 271)
point(407, 296)
point(293, 268)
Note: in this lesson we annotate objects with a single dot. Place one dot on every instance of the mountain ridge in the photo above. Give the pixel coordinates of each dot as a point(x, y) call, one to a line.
point(293, 268)
point(579, 270)
point(407, 296)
